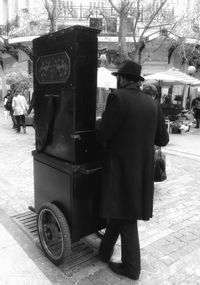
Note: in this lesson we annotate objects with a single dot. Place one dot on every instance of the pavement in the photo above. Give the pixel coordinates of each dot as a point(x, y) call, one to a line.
point(170, 241)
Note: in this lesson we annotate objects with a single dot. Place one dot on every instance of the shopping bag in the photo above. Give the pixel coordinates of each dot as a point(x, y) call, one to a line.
point(159, 166)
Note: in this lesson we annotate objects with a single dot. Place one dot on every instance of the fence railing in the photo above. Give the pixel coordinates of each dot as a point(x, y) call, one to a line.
point(104, 18)
point(10, 25)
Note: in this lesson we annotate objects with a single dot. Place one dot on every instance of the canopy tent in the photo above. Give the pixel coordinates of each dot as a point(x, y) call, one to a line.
point(184, 77)
point(163, 79)
point(173, 77)
point(105, 79)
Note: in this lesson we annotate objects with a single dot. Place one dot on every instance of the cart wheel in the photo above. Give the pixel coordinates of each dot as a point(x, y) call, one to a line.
point(54, 234)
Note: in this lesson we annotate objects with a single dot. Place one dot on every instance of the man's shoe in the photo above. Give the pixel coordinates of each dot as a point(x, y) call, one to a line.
point(196, 127)
point(120, 269)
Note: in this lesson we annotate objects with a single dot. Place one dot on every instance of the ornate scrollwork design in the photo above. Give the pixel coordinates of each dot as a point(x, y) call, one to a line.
point(26, 49)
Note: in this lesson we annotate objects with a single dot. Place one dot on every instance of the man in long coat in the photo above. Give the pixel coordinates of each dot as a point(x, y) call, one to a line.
point(131, 125)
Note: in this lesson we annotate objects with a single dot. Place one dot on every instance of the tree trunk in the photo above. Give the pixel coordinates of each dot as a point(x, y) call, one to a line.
point(52, 14)
point(53, 27)
point(135, 53)
point(122, 36)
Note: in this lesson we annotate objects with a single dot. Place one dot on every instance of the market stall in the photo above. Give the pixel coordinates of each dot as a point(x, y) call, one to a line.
point(177, 80)
point(181, 88)
point(174, 76)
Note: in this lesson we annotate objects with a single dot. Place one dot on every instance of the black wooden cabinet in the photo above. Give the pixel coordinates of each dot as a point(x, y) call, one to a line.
point(65, 83)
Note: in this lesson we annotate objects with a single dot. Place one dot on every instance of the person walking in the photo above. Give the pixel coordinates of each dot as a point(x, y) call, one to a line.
point(5, 100)
point(31, 107)
point(20, 107)
point(196, 108)
point(8, 106)
point(131, 125)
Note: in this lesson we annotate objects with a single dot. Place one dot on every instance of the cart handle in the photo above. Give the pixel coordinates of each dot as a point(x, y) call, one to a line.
point(51, 95)
point(89, 171)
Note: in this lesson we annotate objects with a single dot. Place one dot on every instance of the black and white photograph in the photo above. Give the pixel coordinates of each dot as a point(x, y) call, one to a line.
point(99, 142)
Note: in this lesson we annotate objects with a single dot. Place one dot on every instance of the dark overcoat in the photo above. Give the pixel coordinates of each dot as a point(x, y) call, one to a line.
point(131, 125)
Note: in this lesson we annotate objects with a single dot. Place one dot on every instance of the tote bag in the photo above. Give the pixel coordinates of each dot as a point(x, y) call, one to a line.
point(159, 166)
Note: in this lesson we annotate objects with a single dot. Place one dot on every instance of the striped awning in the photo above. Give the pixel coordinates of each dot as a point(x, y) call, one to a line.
point(174, 77)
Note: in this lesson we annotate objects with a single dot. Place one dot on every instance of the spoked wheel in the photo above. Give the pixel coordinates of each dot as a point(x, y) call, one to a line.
point(54, 234)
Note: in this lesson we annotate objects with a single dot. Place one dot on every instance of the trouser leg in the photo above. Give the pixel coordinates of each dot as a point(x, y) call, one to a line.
point(109, 239)
point(13, 119)
point(23, 122)
point(33, 122)
point(198, 119)
point(197, 115)
point(18, 123)
point(130, 246)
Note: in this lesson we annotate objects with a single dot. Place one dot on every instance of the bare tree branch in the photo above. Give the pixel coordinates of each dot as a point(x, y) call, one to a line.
point(148, 24)
point(152, 18)
point(136, 21)
point(161, 43)
point(46, 5)
point(123, 11)
point(114, 6)
point(126, 6)
point(155, 50)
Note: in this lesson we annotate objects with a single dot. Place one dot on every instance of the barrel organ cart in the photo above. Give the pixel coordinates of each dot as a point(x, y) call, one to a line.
point(67, 159)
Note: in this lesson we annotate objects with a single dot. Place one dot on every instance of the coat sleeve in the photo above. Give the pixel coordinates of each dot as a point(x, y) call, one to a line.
point(162, 136)
point(111, 119)
point(26, 104)
point(13, 103)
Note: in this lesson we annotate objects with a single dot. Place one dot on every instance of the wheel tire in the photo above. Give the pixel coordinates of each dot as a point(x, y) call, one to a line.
point(54, 233)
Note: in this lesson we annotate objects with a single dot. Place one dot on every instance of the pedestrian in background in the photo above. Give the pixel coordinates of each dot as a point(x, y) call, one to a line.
point(196, 108)
point(150, 90)
point(9, 105)
point(31, 107)
point(5, 100)
point(20, 108)
point(131, 125)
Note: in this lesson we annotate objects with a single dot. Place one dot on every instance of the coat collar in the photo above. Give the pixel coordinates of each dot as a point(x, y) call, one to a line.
point(134, 86)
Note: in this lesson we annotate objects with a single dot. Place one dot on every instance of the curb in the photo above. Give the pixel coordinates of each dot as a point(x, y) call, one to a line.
point(182, 154)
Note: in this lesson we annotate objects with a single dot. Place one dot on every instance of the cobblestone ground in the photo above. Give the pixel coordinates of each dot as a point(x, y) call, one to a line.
point(170, 242)
point(16, 168)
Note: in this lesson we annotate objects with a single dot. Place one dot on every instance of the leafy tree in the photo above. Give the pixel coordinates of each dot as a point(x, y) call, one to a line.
point(20, 79)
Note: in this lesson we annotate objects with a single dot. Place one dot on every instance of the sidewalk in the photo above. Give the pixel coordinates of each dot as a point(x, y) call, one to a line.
point(170, 242)
point(185, 144)
point(16, 266)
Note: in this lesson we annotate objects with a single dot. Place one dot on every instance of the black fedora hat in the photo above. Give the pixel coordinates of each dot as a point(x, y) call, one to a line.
point(131, 68)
